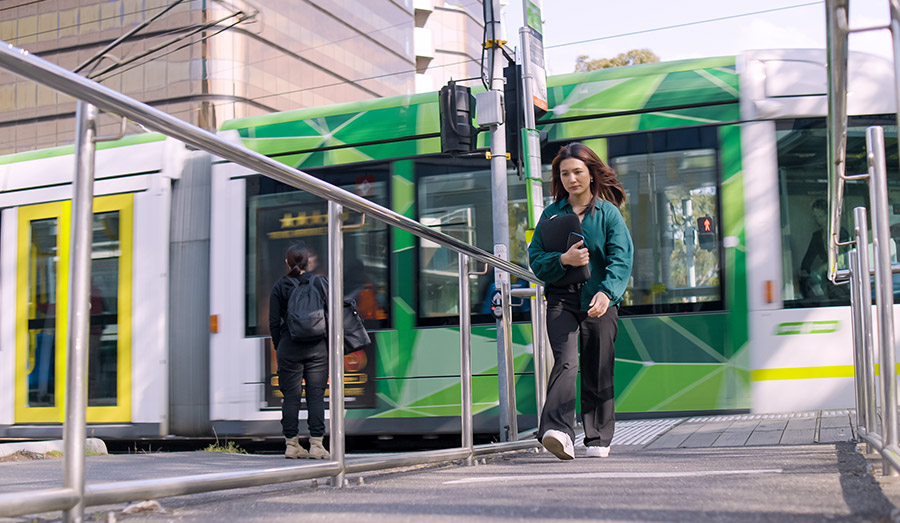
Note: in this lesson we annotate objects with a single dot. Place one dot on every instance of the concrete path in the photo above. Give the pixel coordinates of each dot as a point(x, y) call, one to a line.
point(691, 469)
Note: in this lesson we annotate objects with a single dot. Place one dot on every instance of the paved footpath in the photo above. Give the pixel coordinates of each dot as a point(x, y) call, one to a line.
point(659, 470)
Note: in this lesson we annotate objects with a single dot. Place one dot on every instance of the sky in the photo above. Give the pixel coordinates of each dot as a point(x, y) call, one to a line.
point(568, 21)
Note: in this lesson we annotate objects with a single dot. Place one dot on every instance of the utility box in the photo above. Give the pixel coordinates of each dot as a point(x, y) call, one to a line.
point(488, 108)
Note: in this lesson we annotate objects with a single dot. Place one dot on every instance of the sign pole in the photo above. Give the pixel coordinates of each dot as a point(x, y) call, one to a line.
point(534, 87)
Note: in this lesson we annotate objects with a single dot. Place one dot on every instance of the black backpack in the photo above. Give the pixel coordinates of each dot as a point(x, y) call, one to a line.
point(306, 312)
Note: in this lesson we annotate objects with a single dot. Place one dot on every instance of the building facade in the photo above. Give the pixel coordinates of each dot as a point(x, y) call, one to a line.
point(207, 61)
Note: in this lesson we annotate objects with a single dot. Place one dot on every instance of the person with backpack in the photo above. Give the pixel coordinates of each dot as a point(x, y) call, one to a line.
point(297, 325)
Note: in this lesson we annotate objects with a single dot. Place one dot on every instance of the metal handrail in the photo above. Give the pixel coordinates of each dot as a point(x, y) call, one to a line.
point(77, 495)
point(864, 347)
point(836, 45)
point(30, 66)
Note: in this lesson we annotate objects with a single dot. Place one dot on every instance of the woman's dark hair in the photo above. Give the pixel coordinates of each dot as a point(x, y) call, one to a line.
point(604, 181)
point(297, 258)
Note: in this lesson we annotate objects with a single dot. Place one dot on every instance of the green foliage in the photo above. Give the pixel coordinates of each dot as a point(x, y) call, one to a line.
point(229, 448)
point(635, 56)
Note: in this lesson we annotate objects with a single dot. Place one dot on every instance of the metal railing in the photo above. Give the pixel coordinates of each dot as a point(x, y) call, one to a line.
point(75, 495)
point(865, 343)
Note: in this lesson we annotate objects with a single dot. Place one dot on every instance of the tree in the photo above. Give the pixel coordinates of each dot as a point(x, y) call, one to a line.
point(636, 56)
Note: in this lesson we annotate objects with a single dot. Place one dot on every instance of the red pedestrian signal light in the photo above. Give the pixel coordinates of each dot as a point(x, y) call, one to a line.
point(706, 233)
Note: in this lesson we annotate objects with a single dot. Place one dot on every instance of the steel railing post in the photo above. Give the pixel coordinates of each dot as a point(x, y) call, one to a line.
point(884, 289)
point(465, 359)
point(870, 398)
point(895, 40)
point(336, 335)
point(507, 379)
point(858, 349)
point(79, 307)
point(537, 340)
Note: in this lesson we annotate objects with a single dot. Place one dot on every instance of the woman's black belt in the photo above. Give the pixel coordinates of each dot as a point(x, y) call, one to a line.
point(572, 287)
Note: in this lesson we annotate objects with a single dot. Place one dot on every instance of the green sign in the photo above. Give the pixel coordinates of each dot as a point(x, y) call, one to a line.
point(533, 16)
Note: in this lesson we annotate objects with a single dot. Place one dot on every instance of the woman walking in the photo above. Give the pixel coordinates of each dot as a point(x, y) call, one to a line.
point(584, 313)
point(299, 361)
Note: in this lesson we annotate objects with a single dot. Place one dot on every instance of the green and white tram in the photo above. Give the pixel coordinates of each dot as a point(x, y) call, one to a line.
point(186, 248)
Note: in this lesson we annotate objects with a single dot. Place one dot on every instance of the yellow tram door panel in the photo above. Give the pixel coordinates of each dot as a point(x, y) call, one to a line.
point(42, 297)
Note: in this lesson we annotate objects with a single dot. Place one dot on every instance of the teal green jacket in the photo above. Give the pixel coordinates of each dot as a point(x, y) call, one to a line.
point(609, 243)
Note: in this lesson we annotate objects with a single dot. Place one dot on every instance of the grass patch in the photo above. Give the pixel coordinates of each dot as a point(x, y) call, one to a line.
point(229, 448)
point(59, 454)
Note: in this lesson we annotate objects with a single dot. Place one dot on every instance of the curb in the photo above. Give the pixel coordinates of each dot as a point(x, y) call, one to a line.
point(92, 445)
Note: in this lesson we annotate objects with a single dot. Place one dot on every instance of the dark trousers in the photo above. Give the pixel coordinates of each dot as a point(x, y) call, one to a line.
point(566, 327)
point(298, 362)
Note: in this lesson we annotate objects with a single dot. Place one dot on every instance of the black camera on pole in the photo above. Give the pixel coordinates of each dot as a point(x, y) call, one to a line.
point(706, 233)
point(457, 108)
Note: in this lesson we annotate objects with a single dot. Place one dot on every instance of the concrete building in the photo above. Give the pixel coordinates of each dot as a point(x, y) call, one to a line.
point(207, 61)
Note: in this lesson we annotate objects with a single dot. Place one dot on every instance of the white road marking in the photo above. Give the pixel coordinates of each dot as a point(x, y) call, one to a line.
point(610, 475)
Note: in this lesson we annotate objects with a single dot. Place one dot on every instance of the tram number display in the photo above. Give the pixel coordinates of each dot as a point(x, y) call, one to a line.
point(359, 385)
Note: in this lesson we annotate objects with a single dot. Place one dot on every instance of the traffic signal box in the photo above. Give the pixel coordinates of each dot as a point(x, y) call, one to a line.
point(515, 119)
point(457, 108)
point(706, 233)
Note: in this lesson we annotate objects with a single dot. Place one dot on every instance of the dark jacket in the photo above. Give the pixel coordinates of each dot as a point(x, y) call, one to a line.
point(278, 302)
point(609, 242)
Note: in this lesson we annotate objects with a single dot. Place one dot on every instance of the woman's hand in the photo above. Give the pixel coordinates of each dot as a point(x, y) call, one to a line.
point(599, 305)
point(576, 256)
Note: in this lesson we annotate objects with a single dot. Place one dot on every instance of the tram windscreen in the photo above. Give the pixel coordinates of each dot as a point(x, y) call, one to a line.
point(803, 198)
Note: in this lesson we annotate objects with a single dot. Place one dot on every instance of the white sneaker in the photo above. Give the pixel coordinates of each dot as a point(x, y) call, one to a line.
point(559, 444)
point(596, 452)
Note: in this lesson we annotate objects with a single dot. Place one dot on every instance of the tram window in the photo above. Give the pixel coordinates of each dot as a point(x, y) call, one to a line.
point(671, 179)
point(103, 353)
point(43, 266)
point(454, 197)
point(280, 215)
point(803, 199)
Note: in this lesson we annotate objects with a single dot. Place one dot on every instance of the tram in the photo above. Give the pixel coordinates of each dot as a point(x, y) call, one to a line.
point(724, 164)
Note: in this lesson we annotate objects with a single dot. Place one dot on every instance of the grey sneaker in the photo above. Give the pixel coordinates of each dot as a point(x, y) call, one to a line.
point(596, 452)
point(559, 444)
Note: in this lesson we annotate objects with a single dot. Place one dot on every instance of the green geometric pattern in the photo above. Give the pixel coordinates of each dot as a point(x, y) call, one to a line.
point(639, 90)
point(664, 363)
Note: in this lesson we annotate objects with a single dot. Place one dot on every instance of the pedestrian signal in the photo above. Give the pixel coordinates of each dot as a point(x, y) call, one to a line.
point(706, 233)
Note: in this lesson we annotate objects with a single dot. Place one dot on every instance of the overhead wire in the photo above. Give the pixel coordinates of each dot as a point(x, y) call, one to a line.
point(686, 24)
point(489, 18)
point(123, 69)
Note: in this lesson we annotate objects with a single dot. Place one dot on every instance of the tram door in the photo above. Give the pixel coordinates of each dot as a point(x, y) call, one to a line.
point(42, 297)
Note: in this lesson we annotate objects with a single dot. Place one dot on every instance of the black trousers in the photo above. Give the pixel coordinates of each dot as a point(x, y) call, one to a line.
point(298, 362)
point(566, 327)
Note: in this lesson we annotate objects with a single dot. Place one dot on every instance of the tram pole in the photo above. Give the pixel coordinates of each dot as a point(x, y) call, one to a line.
point(499, 205)
point(79, 308)
point(534, 94)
